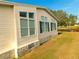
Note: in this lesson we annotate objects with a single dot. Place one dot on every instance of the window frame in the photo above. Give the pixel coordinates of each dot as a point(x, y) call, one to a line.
point(53, 26)
point(23, 27)
point(32, 15)
point(22, 15)
point(46, 28)
point(28, 20)
point(31, 27)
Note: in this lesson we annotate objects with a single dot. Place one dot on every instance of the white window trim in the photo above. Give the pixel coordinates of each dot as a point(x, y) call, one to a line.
point(45, 20)
point(28, 24)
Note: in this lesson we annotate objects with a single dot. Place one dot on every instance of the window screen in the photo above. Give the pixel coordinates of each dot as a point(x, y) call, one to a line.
point(32, 27)
point(42, 27)
point(24, 27)
point(47, 26)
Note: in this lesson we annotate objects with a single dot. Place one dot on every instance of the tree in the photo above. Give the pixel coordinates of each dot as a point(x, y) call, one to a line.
point(73, 19)
point(64, 19)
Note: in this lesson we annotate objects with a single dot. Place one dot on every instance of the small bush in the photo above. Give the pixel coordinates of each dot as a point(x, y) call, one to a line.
point(69, 29)
point(75, 28)
point(64, 29)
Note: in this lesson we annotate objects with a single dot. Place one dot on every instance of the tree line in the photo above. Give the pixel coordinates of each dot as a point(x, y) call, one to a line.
point(64, 19)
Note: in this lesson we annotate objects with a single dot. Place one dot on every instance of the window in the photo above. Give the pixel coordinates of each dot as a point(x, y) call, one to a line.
point(24, 27)
point(42, 27)
point(42, 18)
point(23, 14)
point(27, 23)
point(32, 27)
point(45, 18)
point(47, 26)
point(53, 26)
point(31, 23)
point(31, 15)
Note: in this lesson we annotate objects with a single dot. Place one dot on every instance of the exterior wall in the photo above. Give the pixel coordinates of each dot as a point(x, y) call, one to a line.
point(7, 32)
point(46, 35)
point(23, 50)
point(11, 42)
point(24, 41)
point(7, 55)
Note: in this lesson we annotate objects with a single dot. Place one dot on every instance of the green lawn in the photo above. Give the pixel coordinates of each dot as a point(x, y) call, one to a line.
point(64, 46)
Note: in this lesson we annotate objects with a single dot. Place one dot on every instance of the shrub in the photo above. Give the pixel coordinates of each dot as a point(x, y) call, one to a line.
point(75, 28)
point(69, 29)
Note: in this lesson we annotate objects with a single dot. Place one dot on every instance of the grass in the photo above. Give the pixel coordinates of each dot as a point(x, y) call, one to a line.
point(64, 46)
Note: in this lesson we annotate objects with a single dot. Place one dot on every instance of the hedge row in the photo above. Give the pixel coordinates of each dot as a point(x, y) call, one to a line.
point(69, 29)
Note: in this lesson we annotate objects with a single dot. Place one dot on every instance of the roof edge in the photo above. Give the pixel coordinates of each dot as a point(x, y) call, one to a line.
point(15, 3)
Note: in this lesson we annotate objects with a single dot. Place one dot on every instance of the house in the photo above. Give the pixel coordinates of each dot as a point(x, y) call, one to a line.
point(24, 27)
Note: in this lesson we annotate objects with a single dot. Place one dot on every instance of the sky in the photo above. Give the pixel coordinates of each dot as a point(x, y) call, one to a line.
point(69, 6)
